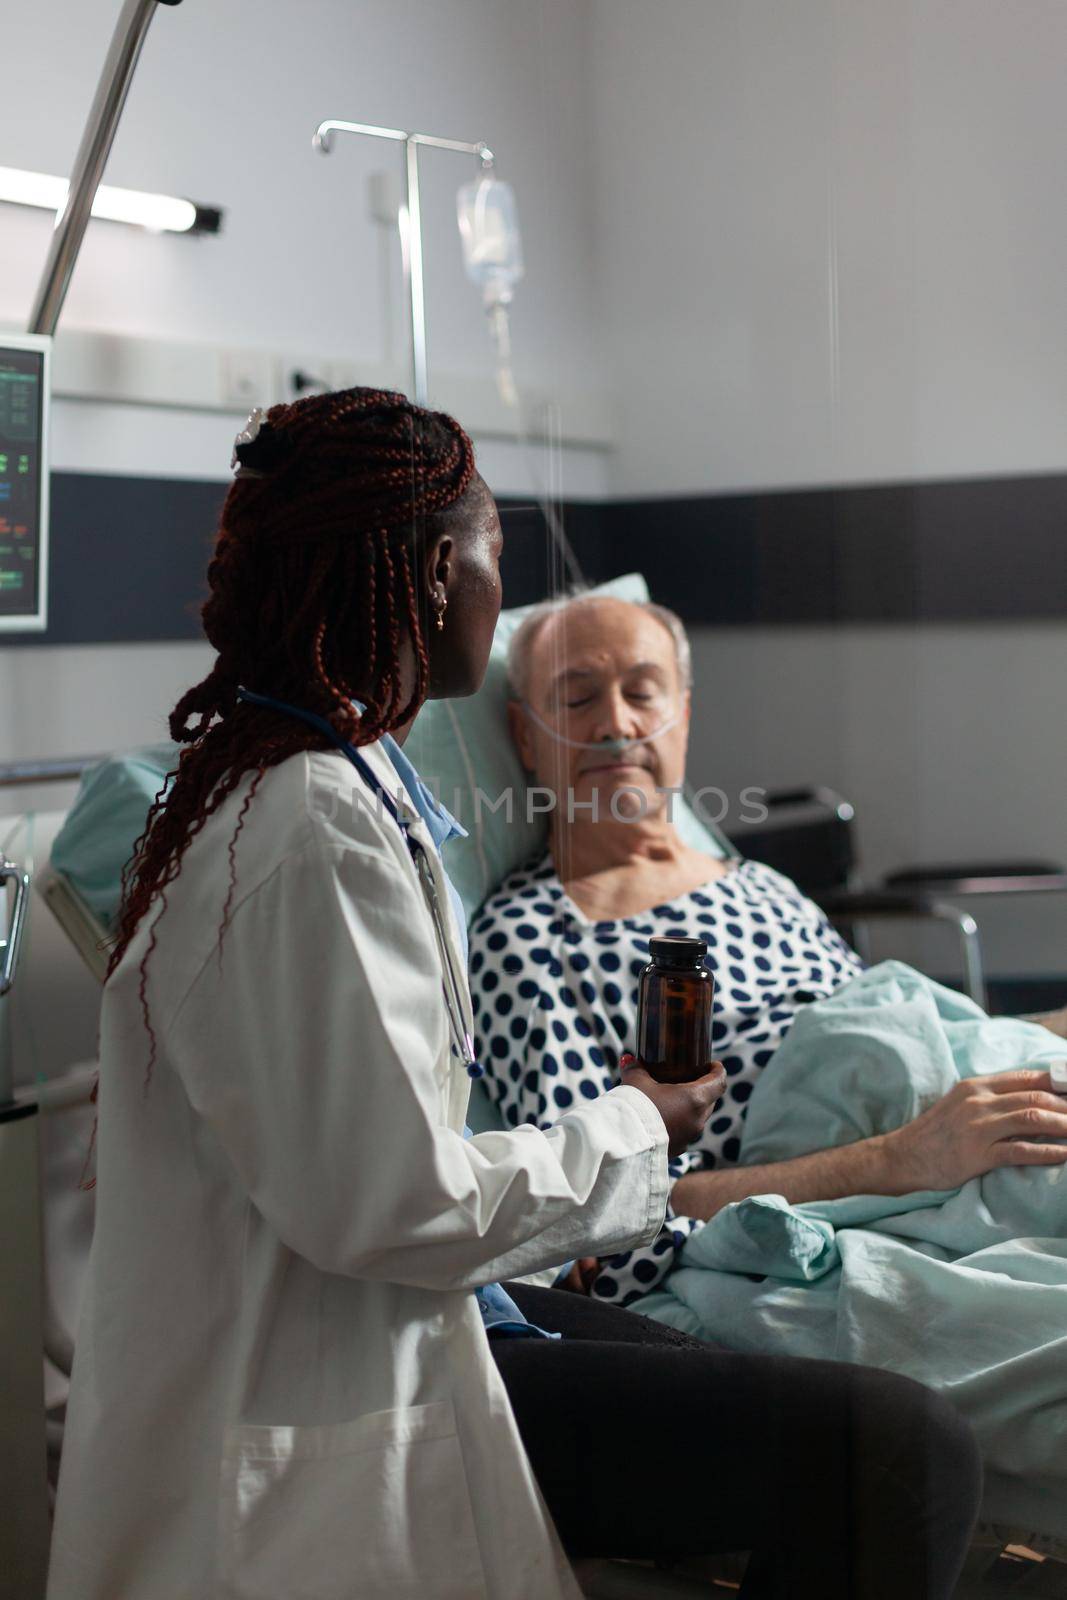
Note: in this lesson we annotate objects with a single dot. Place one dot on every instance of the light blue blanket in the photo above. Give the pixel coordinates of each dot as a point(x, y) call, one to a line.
point(965, 1290)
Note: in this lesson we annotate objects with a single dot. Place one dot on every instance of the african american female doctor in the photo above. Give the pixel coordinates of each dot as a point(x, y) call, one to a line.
point(292, 1381)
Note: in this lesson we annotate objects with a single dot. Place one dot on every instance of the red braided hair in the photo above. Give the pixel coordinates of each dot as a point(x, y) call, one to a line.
point(312, 588)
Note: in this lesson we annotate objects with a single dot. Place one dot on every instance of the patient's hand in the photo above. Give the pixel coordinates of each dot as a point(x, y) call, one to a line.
point(579, 1279)
point(1008, 1119)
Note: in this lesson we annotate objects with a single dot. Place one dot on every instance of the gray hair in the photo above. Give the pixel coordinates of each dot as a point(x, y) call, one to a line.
point(525, 636)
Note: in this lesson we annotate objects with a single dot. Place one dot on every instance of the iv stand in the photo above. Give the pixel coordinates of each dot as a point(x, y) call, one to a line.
point(412, 234)
point(413, 277)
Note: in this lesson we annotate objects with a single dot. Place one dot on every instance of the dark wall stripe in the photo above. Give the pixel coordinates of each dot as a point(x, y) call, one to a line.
point(128, 558)
point(129, 554)
point(969, 551)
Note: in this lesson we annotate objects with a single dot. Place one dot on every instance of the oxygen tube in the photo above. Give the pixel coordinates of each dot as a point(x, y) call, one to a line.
point(608, 746)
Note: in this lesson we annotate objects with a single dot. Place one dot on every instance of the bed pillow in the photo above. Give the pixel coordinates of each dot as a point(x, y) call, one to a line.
point(459, 745)
point(107, 818)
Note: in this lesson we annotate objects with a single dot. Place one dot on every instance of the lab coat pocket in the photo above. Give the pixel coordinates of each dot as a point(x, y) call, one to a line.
point(349, 1511)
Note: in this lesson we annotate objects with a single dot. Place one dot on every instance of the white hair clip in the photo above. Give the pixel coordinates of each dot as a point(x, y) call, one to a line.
point(248, 434)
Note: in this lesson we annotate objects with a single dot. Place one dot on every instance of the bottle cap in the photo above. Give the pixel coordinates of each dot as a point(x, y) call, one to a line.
point(677, 952)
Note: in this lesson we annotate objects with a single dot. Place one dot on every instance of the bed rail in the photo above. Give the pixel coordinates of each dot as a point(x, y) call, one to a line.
point(64, 769)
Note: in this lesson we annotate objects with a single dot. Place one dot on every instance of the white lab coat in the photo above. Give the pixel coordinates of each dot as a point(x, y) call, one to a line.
point(282, 1387)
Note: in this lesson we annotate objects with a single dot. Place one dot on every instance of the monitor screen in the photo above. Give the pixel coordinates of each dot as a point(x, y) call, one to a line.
point(23, 482)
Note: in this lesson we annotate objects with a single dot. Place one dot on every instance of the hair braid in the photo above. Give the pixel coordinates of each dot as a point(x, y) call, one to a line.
point(422, 655)
point(393, 627)
point(311, 589)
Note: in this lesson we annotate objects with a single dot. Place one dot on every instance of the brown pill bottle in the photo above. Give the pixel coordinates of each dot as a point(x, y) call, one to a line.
point(674, 1011)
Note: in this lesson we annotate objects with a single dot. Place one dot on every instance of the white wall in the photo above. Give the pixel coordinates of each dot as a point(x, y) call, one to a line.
point(832, 249)
point(832, 246)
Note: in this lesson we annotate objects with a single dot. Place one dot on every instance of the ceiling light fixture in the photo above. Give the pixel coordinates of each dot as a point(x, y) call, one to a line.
point(159, 213)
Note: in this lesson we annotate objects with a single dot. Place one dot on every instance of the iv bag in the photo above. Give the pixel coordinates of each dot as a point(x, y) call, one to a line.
point(489, 230)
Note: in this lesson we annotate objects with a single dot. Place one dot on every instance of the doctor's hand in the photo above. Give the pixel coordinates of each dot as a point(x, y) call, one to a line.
point(684, 1107)
point(1008, 1119)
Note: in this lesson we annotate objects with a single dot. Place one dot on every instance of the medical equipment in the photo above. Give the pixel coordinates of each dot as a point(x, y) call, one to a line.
point(410, 221)
point(91, 159)
point(492, 255)
point(492, 250)
point(608, 746)
point(24, 407)
point(451, 986)
point(489, 232)
point(25, 361)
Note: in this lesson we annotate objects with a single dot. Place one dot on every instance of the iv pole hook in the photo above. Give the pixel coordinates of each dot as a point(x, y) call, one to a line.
point(413, 261)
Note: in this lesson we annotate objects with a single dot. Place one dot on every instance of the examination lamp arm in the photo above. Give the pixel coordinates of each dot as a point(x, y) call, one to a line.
point(89, 163)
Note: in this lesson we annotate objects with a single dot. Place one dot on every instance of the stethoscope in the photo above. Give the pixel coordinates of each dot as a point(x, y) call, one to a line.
point(462, 1043)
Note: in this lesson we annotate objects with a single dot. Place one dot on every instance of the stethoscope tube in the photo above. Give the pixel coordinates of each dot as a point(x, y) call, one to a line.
point(462, 1042)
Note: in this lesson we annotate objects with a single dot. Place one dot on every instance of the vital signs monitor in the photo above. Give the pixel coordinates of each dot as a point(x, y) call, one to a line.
point(24, 397)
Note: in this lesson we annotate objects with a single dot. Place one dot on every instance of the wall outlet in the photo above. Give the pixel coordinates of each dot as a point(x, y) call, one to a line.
point(246, 379)
point(303, 375)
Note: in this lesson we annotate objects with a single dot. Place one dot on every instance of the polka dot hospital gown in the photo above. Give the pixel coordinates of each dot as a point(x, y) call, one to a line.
point(555, 1005)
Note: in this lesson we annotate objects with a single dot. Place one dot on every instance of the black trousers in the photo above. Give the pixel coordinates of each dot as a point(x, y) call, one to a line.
point(842, 1480)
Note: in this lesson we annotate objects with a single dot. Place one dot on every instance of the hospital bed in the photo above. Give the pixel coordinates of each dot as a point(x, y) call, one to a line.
point(75, 880)
point(1027, 1561)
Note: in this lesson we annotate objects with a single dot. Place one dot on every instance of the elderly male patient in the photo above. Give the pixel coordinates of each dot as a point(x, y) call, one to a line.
point(600, 715)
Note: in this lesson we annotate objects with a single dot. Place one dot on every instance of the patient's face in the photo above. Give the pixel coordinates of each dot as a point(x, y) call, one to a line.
point(599, 671)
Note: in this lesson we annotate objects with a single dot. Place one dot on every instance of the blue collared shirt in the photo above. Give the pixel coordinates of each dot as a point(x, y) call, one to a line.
point(500, 1314)
point(441, 825)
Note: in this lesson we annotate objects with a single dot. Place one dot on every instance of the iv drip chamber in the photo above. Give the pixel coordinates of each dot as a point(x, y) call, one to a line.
point(489, 231)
